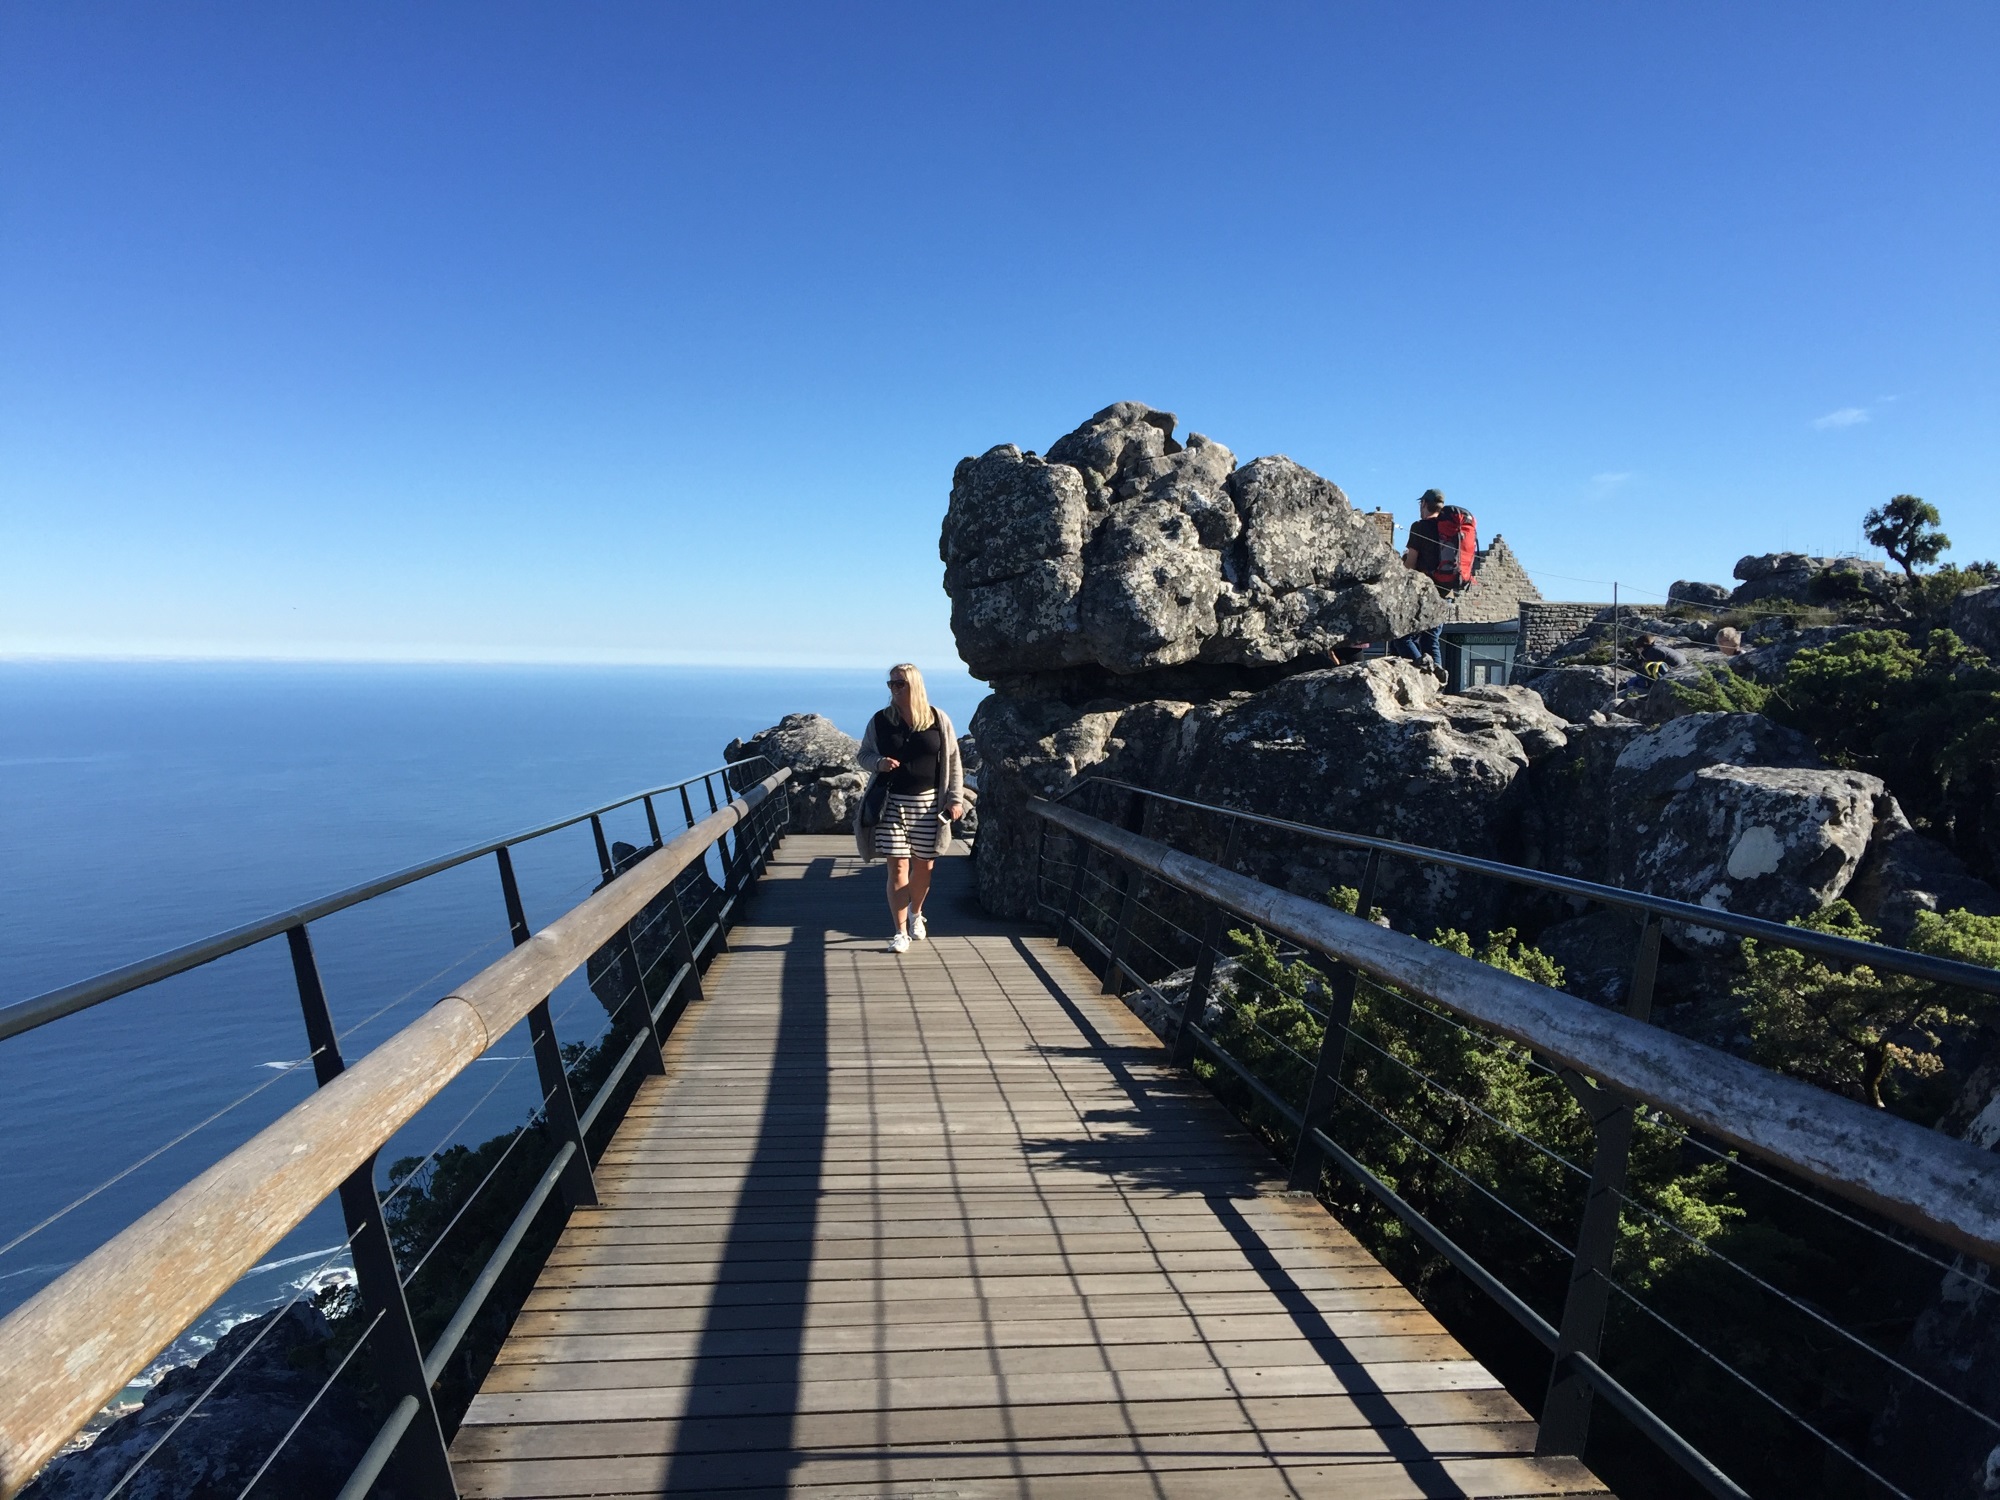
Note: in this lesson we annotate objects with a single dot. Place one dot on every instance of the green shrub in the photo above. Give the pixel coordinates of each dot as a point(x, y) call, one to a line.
point(1925, 719)
point(1721, 693)
point(1426, 1077)
point(1850, 1029)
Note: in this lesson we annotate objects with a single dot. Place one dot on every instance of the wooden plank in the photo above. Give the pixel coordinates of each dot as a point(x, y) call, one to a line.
point(891, 1225)
point(1024, 1424)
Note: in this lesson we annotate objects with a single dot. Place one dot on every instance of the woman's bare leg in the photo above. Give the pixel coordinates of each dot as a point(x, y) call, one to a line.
point(920, 883)
point(899, 892)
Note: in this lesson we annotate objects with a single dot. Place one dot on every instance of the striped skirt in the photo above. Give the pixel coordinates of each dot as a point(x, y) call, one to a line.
point(909, 827)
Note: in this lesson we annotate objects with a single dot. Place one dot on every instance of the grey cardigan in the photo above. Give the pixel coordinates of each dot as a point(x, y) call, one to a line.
point(950, 781)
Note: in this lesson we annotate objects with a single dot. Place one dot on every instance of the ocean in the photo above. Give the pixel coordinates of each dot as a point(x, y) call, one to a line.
point(145, 805)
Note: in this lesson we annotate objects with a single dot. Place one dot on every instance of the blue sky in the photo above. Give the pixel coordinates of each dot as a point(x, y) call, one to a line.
point(627, 332)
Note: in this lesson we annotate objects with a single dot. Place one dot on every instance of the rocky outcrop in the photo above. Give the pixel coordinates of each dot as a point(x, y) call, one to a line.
point(1124, 551)
point(286, 1356)
point(1759, 841)
point(827, 781)
point(1906, 873)
point(1706, 595)
point(1592, 807)
point(1975, 617)
point(1373, 748)
point(1809, 580)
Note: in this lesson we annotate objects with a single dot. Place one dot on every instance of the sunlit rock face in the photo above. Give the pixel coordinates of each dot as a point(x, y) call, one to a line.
point(1124, 550)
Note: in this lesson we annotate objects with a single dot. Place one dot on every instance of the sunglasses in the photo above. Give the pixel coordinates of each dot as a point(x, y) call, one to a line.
point(896, 682)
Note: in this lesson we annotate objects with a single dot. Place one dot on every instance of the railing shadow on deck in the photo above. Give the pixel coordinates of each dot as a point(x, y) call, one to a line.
point(785, 1169)
point(1155, 920)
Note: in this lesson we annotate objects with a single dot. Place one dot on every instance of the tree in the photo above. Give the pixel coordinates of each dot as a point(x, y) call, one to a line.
point(1850, 1029)
point(1906, 529)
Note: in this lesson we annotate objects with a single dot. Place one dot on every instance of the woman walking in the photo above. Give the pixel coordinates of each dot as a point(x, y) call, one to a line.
point(911, 745)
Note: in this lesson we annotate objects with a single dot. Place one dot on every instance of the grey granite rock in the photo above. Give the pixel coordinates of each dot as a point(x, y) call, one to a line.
point(1759, 841)
point(827, 781)
point(1906, 873)
point(1975, 616)
point(1127, 552)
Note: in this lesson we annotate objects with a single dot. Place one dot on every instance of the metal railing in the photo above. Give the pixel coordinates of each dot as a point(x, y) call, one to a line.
point(62, 1357)
point(1619, 1070)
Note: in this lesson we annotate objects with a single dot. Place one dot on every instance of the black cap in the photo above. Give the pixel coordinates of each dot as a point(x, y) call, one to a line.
point(1431, 497)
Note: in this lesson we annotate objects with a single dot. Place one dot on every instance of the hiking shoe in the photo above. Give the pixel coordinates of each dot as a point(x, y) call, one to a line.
point(899, 943)
point(919, 928)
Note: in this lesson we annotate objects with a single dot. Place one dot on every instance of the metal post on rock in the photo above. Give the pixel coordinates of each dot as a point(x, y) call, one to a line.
point(421, 1463)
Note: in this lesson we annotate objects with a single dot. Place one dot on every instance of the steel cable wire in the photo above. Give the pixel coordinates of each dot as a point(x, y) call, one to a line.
point(325, 1386)
point(1494, 1120)
point(470, 1198)
point(1811, 1312)
point(1688, 1137)
point(1469, 1181)
point(1752, 1386)
point(273, 1318)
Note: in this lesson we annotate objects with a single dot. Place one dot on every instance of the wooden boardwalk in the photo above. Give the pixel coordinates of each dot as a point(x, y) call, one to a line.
point(946, 1224)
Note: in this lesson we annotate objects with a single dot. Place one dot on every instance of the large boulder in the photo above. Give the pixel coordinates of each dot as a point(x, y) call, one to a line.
point(1126, 551)
point(1809, 580)
point(827, 781)
point(1594, 806)
point(1906, 873)
point(1575, 693)
point(1758, 841)
point(1372, 748)
point(1975, 616)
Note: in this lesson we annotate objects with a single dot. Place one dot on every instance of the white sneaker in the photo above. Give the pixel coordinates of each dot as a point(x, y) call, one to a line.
point(919, 929)
point(899, 943)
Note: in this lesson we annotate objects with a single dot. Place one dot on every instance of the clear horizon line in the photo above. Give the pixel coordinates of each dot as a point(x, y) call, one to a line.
point(164, 656)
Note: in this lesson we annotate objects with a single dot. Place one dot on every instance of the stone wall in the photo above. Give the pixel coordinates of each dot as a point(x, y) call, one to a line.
point(1500, 586)
point(1545, 625)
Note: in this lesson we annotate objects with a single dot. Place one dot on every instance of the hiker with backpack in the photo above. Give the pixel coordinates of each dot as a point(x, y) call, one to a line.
point(1442, 546)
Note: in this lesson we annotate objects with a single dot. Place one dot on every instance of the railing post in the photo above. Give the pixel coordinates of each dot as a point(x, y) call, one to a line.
point(1114, 954)
point(656, 1059)
point(1066, 926)
point(1203, 978)
point(1566, 1409)
point(1134, 821)
point(653, 822)
point(421, 1462)
point(687, 807)
point(558, 1103)
point(1308, 1161)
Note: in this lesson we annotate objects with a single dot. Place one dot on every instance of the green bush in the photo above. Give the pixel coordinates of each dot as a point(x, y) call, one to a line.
point(1721, 693)
point(1850, 1029)
point(1427, 1078)
point(1925, 719)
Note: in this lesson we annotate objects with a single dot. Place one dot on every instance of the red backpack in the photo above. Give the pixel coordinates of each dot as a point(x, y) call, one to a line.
point(1458, 546)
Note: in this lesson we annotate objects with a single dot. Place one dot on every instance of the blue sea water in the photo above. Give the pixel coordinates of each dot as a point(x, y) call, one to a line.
point(147, 805)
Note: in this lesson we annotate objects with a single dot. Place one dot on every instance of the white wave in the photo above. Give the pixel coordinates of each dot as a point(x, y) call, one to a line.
point(292, 1260)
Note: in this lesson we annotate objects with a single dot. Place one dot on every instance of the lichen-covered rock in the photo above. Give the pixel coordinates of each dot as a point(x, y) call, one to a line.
point(1975, 617)
point(1372, 748)
point(1573, 694)
point(1593, 806)
point(1125, 551)
point(1759, 841)
point(826, 782)
point(1906, 873)
point(1809, 580)
point(1518, 710)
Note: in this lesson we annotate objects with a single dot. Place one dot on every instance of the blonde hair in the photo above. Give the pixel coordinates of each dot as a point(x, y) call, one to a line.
point(922, 715)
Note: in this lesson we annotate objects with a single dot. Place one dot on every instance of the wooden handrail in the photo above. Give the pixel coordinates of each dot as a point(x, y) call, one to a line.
point(1927, 1181)
point(73, 1345)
